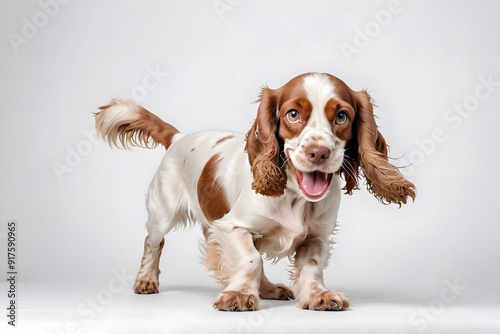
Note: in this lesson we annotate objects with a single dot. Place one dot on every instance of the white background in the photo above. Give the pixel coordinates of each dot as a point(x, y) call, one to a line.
point(81, 215)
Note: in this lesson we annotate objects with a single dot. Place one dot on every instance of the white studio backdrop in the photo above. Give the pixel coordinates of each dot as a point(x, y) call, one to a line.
point(431, 66)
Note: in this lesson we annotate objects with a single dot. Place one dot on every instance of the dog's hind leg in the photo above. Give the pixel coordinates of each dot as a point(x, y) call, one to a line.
point(268, 290)
point(147, 281)
point(164, 215)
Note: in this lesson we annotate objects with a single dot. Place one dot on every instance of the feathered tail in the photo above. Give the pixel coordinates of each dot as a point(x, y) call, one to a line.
point(130, 124)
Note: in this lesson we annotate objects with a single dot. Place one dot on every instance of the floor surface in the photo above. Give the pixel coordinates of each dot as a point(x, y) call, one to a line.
point(79, 308)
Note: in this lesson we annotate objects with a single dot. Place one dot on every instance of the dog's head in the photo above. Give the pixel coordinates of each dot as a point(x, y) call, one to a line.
point(315, 126)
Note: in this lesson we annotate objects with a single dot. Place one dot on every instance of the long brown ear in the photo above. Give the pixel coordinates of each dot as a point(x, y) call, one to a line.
point(383, 179)
point(263, 147)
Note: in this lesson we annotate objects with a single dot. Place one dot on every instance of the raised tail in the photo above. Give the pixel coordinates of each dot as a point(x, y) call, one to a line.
point(132, 125)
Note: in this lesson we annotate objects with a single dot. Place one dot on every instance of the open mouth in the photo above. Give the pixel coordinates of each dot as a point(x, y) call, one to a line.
point(313, 184)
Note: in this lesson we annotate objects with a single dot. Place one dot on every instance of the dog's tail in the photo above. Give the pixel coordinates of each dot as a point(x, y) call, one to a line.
point(124, 121)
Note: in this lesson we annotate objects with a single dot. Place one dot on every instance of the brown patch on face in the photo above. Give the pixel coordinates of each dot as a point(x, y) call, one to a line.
point(223, 140)
point(293, 97)
point(211, 195)
point(342, 91)
point(303, 107)
point(333, 108)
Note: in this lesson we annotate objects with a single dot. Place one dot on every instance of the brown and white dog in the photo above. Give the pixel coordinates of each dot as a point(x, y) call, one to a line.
point(275, 191)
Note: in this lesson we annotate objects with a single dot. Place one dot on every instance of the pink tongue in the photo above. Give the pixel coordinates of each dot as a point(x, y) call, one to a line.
point(314, 183)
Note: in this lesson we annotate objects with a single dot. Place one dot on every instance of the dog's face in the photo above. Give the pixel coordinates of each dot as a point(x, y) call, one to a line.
point(315, 127)
point(312, 128)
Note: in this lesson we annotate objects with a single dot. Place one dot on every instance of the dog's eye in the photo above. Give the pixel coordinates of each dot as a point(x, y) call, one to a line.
point(293, 116)
point(341, 118)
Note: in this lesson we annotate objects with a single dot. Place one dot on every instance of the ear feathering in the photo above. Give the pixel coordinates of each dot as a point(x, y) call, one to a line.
point(263, 148)
point(383, 179)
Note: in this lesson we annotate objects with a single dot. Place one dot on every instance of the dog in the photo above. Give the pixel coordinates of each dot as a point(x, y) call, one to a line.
point(274, 192)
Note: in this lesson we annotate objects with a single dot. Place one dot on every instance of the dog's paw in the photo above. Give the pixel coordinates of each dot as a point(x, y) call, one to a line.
point(325, 300)
point(144, 287)
point(276, 291)
point(236, 301)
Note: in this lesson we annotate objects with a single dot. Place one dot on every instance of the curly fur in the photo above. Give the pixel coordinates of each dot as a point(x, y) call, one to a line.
point(383, 179)
point(264, 150)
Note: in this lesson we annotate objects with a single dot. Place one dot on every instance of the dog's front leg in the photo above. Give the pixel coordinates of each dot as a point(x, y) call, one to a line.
point(310, 259)
point(232, 256)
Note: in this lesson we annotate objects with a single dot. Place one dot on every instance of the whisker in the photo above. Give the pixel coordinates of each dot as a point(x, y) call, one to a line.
point(284, 158)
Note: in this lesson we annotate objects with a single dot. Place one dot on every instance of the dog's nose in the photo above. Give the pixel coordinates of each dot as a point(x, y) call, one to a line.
point(317, 154)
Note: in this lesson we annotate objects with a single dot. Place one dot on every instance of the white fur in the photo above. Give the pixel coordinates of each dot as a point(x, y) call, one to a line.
point(255, 224)
point(172, 202)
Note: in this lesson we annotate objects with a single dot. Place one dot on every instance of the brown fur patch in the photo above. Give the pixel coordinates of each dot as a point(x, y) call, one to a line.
point(263, 148)
point(384, 180)
point(211, 195)
point(223, 140)
point(148, 130)
point(366, 148)
point(303, 106)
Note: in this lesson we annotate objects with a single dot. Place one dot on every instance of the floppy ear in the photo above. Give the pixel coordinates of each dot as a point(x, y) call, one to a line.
point(383, 179)
point(263, 147)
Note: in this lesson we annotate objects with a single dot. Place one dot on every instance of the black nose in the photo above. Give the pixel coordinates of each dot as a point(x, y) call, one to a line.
point(317, 154)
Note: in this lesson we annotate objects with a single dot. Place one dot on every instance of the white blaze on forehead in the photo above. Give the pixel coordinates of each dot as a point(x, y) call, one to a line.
point(319, 90)
point(314, 179)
